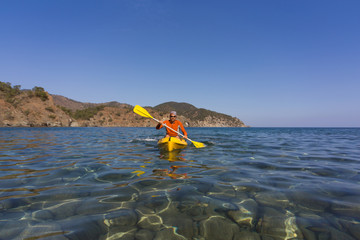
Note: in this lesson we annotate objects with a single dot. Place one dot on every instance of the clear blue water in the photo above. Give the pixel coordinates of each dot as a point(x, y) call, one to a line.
point(114, 183)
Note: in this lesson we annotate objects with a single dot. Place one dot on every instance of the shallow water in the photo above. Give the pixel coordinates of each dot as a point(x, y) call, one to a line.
point(114, 183)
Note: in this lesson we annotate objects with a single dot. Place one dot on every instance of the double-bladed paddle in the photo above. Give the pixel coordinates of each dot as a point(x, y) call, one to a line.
point(142, 112)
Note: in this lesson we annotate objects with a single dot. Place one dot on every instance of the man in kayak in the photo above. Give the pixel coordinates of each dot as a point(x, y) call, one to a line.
point(174, 124)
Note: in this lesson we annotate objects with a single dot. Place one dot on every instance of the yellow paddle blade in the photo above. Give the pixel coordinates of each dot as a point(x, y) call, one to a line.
point(142, 111)
point(198, 144)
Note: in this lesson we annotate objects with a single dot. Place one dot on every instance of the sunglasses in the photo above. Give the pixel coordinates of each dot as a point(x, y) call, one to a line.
point(172, 116)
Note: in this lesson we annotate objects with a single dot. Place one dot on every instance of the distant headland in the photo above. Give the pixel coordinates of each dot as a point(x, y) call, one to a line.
point(38, 108)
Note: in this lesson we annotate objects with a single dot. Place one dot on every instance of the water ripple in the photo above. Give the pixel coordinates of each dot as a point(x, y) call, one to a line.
point(113, 183)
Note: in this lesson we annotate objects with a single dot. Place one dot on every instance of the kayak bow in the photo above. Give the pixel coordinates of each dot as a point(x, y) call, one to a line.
point(171, 143)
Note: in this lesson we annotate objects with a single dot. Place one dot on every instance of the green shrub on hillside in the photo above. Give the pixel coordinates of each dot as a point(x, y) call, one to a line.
point(87, 113)
point(40, 93)
point(27, 112)
point(84, 114)
point(65, 110)
point(9, 91)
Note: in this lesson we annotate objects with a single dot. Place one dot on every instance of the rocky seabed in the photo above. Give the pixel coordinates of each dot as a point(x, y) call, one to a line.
point(177, 209)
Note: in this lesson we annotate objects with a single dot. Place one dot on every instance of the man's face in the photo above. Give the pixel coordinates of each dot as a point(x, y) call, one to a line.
point(172, 117)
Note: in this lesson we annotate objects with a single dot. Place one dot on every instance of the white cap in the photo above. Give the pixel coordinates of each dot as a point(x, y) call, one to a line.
point(173, 112)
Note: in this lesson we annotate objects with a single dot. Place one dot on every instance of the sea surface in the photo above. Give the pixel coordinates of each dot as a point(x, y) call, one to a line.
point(114, 183)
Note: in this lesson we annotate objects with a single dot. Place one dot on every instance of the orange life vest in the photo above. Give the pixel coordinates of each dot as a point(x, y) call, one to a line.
point(175, 125)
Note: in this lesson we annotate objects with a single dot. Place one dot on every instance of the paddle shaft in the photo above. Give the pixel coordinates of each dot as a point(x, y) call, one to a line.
point(172, 129)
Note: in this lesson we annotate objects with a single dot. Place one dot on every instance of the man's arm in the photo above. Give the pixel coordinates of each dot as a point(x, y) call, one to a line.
point(160, 125)
point(183, 129)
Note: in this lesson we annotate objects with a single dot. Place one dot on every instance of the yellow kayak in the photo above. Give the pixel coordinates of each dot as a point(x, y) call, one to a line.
point(171, 143)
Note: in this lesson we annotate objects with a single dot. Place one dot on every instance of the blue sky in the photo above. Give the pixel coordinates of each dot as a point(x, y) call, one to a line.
point(271, 63)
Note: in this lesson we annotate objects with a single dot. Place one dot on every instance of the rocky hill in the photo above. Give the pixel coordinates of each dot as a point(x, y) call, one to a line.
point(37, 108)
point(199, 117)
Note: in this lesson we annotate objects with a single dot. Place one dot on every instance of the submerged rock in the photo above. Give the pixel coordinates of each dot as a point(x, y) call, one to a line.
point(352, 226)
point(86, 227)
point(182, 224)
point(336, 234)
point(64, 210)
point(246, 214)
point(272, 199)
point(349, 207)
point(144, 234)
point(311, 225)
point(12, 229)
point(201, 185)
point(155, 202)
point(42, 231)
point(149, 221)
point(169, 233)
point(222, 192)
point(43, 215)
point(184, 192)
point(278, 225)
point(218, 228)
point(123, 233)
point(317, 227)
point(10, 203)
point(219, 206)
point(240, 193)
point(309, 201)
point(121, 218)
point(194, 208)
point(245, 235)
point(93, 206)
